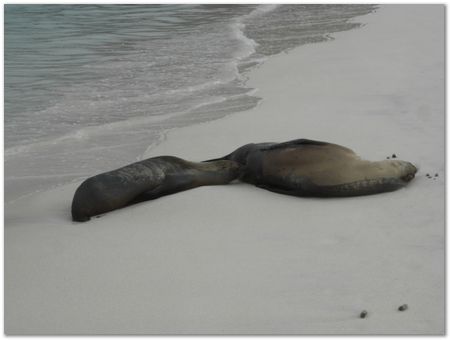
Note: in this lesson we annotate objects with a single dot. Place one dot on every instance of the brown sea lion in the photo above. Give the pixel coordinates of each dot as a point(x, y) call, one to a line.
point(305, 167)
point(145, 180)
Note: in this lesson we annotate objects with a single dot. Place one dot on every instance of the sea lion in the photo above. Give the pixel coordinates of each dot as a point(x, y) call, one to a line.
point(145, 180)
point(305, 167)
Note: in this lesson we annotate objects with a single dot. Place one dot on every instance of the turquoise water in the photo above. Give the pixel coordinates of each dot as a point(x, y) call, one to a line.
point(90, 87)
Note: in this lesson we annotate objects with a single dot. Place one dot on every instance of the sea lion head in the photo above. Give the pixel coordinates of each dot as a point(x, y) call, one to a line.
point(404, 170)
point(85, 200)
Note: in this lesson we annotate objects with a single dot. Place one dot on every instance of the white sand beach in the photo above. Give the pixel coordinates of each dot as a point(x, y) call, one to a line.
point(237, 259)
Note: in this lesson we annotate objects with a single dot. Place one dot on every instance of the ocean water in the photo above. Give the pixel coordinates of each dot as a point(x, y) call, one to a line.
point(89, 88)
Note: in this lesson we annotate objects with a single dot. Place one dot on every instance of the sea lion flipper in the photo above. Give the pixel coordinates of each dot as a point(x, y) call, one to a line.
point(149, 195)
point(278, 190)
point(301, 187)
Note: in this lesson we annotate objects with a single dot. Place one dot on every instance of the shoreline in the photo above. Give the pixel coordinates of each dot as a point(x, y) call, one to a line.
point(236, 259)
point(57, 170)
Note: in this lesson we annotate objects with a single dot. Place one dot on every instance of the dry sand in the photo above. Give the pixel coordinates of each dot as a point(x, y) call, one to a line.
point(240, 260)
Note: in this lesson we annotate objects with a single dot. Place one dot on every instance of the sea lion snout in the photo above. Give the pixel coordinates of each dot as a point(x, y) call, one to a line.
point(408, 177)
point(408, 171)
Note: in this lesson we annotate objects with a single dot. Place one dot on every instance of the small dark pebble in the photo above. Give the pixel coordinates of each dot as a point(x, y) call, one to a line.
point(428, 175)
point(394, 155)
point(403, 307)
point(435, 175)
point(388, 157)
point(363, 314)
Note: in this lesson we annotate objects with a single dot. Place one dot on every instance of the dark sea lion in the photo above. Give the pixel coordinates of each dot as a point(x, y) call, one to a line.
point(305, 167)
point(145, 180)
